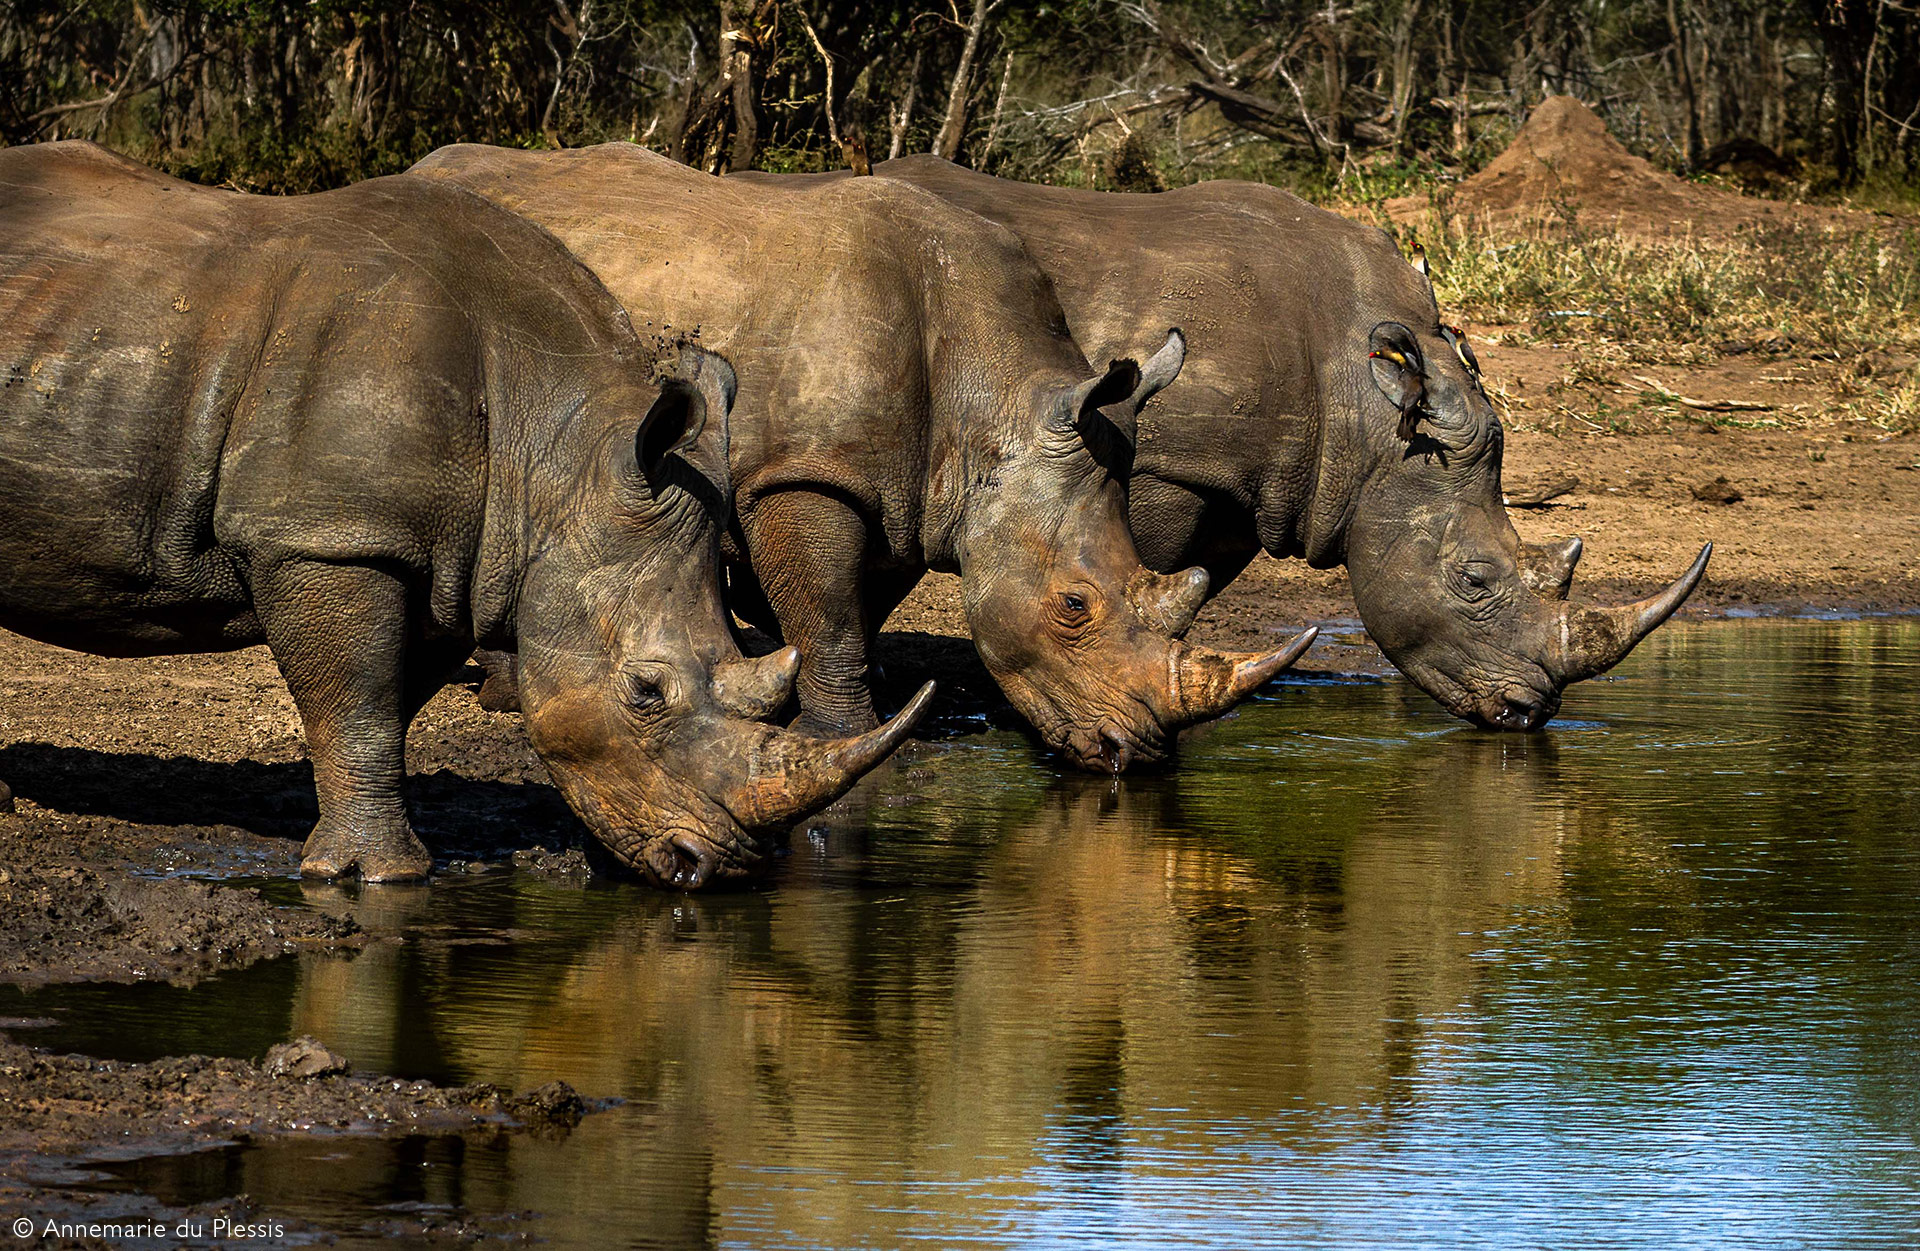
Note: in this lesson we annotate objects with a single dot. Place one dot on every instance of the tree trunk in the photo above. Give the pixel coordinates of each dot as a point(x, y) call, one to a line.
point(897, 122)
point(1405, 59)
point(999, 110)
point(721, 130)
point(1846, 30)
point(954, 128)
point(1689, 94)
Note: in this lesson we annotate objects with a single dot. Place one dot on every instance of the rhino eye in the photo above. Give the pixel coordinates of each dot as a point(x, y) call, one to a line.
point(1074, 603)
point(644, 693)
point(1474, 582)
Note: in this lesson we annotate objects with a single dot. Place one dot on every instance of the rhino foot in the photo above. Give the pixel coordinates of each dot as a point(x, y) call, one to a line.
point(501, 690)
point(384, 856)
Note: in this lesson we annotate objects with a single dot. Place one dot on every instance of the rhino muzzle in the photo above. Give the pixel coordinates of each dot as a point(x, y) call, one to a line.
point(690, 810)
point(1199, 685)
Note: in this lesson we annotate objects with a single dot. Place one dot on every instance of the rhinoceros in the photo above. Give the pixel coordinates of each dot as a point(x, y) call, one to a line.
point(372, 428)
point(911, 400)
point(1327, 414)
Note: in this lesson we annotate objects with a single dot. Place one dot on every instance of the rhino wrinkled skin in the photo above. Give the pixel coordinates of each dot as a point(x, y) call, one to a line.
point(911, 399)
point(1324, 413)
point(372, 428)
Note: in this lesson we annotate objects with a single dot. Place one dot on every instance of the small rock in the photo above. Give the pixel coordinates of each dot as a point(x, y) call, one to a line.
point(1719, 491)
point(555, 1102)
point(304, 1057)
point(571, 862)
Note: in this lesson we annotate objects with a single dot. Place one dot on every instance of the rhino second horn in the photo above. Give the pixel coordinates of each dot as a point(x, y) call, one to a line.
point(1593, 640)
point(1207, 683)
point(1179, 601)
point(792, 775)
point(756, 688)
point(1546, 569)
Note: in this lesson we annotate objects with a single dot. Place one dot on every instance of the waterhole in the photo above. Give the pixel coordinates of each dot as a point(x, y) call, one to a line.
point(1355, 975)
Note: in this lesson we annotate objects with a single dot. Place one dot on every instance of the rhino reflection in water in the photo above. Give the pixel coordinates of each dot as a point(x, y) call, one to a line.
point(911, 400)
point(1080, 962)
point(1325, 413)
point(371, 428)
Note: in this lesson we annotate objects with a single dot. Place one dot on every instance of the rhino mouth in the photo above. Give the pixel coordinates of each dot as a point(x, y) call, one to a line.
point(1111, 745)
point(1512, 704)
point(697, 858)
point(1518, 711)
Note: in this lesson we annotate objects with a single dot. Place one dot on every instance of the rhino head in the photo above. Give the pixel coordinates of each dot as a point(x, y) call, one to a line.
point(1476, 618)
point(649, 719)
point(1085, 640)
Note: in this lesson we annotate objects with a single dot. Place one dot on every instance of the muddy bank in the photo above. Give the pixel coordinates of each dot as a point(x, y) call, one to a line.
point(61, 1117)
point(141, 785)
point(82, 902)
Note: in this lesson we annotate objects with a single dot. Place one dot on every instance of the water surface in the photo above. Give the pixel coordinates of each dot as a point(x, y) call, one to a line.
point(1354, 976)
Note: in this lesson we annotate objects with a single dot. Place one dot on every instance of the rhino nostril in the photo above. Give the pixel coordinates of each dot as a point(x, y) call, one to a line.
point(1520, 713)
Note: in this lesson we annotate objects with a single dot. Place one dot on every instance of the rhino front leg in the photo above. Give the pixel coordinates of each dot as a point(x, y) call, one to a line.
point(807, 551)
point(339, 635)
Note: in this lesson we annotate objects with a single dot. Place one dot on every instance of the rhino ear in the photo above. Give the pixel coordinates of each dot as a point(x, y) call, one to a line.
point(1159, 371)
point(688, 422)
point(1084, 402)
point(713, 374)
point(672, 424)
point(1399, 371)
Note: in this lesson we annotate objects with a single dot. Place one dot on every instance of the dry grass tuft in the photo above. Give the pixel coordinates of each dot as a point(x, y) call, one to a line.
point(1847, 305)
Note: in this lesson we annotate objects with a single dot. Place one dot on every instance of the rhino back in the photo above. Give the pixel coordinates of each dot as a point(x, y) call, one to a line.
point(121, 347)
point(852, 310)
point(200, 378)
point(1277, 298)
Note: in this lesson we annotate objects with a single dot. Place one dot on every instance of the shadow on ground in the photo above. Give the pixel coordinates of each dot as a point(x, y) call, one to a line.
point(459, 817)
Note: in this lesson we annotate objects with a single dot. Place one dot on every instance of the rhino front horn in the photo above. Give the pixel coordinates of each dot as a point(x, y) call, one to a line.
point(793, 775)
point(1207, 683)
point(1594, 640)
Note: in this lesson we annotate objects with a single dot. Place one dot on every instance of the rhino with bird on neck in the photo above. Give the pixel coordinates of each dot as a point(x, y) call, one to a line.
point(1326, 413)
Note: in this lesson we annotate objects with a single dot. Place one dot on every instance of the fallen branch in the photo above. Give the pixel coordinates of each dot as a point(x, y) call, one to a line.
point(1706, 406)
point(1541, 496)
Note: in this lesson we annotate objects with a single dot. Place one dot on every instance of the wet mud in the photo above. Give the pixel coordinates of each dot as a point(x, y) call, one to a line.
point(62, 1117)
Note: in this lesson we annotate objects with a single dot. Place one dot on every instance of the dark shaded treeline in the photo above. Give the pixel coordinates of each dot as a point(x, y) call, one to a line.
point(290, 95)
